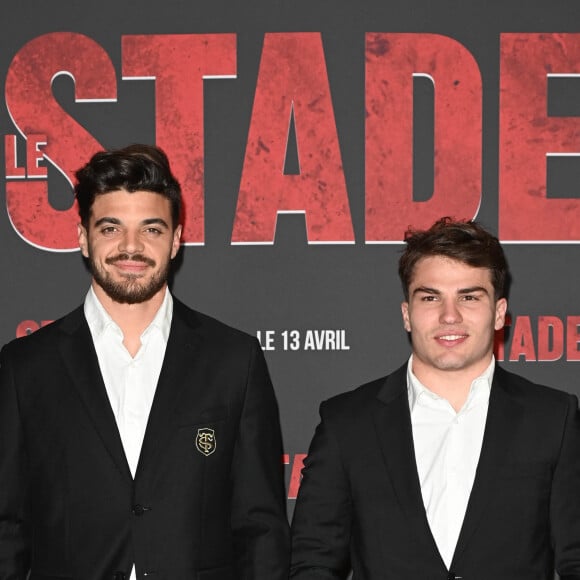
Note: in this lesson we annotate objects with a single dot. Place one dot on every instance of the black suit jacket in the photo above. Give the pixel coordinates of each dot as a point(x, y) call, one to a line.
point(69, 507)
point(360, 501)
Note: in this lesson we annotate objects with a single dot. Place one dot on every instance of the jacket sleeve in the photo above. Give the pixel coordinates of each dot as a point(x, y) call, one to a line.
point(565, 498)
point(259, 520)
point(321, 527)
point(14, 532)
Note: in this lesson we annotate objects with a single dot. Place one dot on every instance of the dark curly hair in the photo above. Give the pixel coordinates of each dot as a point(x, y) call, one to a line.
point(134, 168)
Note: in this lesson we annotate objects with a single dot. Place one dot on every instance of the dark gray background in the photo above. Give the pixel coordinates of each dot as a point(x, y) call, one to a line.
point(290, 285)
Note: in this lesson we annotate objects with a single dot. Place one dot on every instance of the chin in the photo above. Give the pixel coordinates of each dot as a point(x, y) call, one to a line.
point(451, 364)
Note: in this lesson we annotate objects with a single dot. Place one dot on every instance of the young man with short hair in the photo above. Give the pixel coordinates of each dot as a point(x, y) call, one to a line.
point(138, 438)
point(451, 467)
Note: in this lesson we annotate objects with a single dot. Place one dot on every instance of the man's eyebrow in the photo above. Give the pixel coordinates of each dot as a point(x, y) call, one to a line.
point(152, 221)
point(426, 290)
point(472, 289)
point(108, 220)
point(435, 292)
point(117, 222)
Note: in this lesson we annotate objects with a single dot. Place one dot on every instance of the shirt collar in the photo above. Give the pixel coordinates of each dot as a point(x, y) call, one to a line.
point(416, 389)
point(99, 319)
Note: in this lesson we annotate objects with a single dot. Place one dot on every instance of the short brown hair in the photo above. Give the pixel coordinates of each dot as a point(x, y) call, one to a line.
point(464, 241)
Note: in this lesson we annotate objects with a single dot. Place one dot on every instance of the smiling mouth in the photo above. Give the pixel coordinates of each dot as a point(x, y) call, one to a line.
point(134, 262)
point(135, 267)
point(451, 340)
point(451, 337)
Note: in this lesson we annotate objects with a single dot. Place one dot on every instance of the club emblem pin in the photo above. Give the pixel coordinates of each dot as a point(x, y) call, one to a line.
point(205, 441)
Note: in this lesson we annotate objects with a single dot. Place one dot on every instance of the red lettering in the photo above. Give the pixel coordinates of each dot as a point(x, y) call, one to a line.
point(34, 156)
point(27, 327)
point(550, 338)
point(528, 135)
point(34, 110)
point(392, 61)
point(523, 340)
point(178, 64)
point(293, 80)
point(573, 338)
point(296, 475)
point(13, 171)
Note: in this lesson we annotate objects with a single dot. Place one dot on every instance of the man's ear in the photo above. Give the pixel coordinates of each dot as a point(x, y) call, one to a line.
point(176, 243)
point(500, 312)
point(405, 313)
point(83, 240)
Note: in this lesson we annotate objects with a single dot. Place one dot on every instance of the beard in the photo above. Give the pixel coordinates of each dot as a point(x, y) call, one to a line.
point(131, 289)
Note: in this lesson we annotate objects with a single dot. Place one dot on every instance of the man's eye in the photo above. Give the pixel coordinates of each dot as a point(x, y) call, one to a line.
point(154, 231)
point(108, 230)
point(428, 298)
point(469, 297)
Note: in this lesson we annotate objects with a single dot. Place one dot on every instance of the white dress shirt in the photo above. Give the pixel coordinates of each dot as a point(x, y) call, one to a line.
point(447, 448)
point(130, 381)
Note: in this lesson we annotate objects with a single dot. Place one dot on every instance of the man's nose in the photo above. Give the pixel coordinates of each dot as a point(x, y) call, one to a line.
point(131, 243)
point(450, 313)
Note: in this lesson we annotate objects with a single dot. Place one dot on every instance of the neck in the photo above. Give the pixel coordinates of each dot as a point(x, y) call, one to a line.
point(132, 319)
point(450, 384)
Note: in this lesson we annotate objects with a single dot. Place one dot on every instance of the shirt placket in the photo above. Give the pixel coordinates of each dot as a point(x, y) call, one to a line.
point(454, 492)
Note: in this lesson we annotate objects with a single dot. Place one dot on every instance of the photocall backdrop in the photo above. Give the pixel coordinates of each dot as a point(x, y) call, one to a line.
point(307, 135)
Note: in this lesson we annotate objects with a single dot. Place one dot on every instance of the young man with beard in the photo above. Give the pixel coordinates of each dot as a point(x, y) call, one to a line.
point(451, 467)
point(138, 438)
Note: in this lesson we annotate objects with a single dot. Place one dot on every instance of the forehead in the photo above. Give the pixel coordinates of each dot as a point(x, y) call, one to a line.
point(443, 272)
point(128, 206)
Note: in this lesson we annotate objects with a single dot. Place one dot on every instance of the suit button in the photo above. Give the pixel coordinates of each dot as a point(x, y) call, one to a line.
point(119, 576)
point(138, 510)
point(452, 576)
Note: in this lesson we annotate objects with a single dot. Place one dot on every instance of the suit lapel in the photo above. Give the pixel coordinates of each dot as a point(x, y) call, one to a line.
point(392, 419)
point(393, 425)
point(176, 375)
point(503, 418)
point(80, 359)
